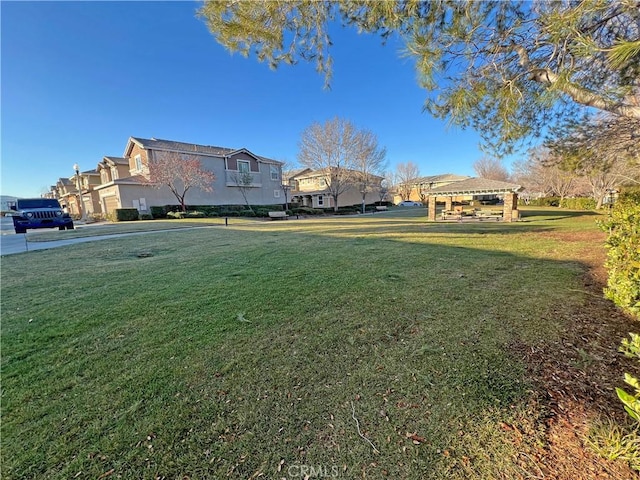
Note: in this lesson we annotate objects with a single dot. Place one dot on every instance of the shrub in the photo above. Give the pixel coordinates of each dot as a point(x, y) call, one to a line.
point(623, 252)
point(96, 217)
point(247, 213)
point(264, 212)
point(545, 202)
point(126, 214)
point(580, 203)
point(306, 211)
point(269, 208)
point(194, 214)
point(146, 216)
point(158, 212)
point(347, 211)
point(176, 214)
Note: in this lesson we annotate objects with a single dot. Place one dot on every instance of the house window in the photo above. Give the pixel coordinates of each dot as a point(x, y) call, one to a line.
point(274, 172)
point(104, 176)
point(114, 173)
point(138, 159)
point(276, 194)
point(320, 201)
point(243, 166)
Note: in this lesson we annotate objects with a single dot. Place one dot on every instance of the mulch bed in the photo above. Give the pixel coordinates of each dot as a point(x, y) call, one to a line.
point(575, 379)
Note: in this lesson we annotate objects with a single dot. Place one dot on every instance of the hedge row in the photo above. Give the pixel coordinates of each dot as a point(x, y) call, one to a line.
point(213, 210)
point(579, 203)
point(199, 211)
point(623, 252)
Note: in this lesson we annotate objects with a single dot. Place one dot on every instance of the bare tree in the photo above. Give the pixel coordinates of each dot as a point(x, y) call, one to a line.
point(491, 168)
point(180, 173)
point(244, 182)
point(369, 164)
point(335, 148)
point(286, 168)
point(603, 149)
point(541, 173)
point(406, 177)
point(385, 185)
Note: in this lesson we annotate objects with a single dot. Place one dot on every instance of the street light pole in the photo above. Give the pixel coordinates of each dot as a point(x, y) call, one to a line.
point(80, 202)
point(286, 189)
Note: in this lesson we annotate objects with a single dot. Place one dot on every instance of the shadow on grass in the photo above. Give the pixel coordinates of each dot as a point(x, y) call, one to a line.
point(226, 353)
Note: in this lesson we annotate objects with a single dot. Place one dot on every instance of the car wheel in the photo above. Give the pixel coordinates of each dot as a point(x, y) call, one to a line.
point(21, 230)
point(70, 226)
point(61, 227)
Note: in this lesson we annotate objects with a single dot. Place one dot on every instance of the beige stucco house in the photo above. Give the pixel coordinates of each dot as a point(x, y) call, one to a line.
point(312, 188)
point(67, 193)
point(123, 179)
point(419, 189)
point(90, 204)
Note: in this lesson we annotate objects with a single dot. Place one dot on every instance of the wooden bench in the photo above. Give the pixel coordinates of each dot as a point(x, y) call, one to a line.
point(278, 215)
point(447, 214)
point(487, 214)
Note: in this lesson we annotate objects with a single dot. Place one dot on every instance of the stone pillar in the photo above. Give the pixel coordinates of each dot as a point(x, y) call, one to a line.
point(432, 209)
point(510, 212)
point(447, 203)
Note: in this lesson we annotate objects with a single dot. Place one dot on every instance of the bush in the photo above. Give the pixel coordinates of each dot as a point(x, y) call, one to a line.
point(347, 211)
point(264, 212)
point(176, 214)
point(194, 214)
point(623, 252)
point(96, 217)
point(146, 216)
point(126, 214)
point(269, 208)
point(545, 202)
point(159, 212)
point(306, 211)
point(581, 203)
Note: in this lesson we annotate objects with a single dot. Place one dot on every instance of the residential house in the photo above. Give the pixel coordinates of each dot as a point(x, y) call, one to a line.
point(90, 202)
point(112, 170)
point(311, 188)
point(419, 189)
point(66, 191)
point(125, 185)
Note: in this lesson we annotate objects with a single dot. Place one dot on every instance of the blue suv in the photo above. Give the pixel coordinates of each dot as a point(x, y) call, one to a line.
point(39, 213)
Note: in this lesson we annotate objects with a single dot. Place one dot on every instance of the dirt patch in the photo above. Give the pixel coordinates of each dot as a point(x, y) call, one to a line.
point(576, 376)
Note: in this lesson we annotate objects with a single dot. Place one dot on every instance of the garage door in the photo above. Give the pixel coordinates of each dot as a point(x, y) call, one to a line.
point(110, 204)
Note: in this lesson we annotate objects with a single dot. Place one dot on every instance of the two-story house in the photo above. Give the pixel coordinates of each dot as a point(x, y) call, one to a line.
point(317, 188)
point(418, 189)
point(88, 180)
point(125, 180)
point(66, 191)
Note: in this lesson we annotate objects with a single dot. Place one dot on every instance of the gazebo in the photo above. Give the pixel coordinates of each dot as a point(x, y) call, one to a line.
point(477, 186)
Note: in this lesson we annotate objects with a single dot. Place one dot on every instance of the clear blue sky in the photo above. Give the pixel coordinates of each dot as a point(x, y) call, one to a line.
point(79, 78)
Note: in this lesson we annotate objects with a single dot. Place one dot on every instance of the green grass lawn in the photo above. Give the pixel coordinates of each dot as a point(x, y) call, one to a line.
point(249, 351)
point(126, 227)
